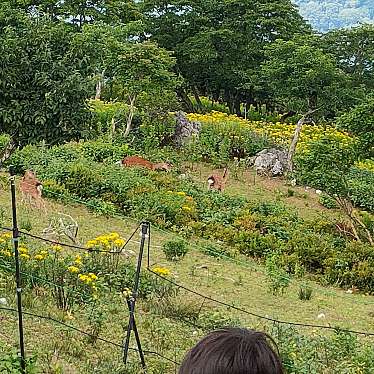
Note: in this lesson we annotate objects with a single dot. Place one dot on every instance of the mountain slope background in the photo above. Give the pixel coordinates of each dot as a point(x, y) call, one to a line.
point(325, 15)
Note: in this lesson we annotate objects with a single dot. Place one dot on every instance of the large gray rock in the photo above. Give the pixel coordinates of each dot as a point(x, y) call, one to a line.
point(270, 162)
point(185, 130)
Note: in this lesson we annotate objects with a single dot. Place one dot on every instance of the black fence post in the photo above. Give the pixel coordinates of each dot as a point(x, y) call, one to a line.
point(18, 274)
point(132, 300)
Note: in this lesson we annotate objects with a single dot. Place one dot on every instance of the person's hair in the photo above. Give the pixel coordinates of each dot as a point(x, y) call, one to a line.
point(233, 351)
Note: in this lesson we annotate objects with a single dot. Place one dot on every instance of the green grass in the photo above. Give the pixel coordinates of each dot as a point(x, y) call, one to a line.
point(239, 281)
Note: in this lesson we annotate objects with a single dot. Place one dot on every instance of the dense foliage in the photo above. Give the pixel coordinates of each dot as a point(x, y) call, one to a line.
point(254, 229)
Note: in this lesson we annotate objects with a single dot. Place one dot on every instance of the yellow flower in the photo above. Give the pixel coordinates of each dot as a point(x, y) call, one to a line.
point(162, 271)
point(83, 277)
point(187, 208)
point(57, 248)
point(127, 293)
point(91, 243)
point(181, 193)
point(92, 276)
point(119, 242)
point(6, 235)
point(78, 260)
point(23, 250)
point(7, 253)
point(73, 269)
point(25, 256)
point(39, 257)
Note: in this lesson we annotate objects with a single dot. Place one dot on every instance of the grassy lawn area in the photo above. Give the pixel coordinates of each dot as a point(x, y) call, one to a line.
point(240, 281)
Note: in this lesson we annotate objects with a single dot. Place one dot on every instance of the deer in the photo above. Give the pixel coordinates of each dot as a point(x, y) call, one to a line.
point(217, 182)
point(136, 161)
point(31, 189)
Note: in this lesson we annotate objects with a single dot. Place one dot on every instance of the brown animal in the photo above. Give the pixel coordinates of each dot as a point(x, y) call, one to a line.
point(31, 189)
point(132, 161)
point(216, 182)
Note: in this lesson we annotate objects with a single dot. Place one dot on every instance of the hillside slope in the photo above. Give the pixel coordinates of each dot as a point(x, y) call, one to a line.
point(325, 15)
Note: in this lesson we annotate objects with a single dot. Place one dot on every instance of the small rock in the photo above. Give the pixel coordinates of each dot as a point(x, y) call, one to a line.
point(318, 192)
point(3, 301)
point(321, 316)
point(293, 182)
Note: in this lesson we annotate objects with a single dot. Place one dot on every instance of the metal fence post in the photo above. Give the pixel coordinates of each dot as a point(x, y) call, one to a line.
point(132, 300)
point(18, 274)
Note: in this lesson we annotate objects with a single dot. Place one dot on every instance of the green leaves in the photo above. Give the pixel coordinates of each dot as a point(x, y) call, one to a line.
point(303, 77)
point(43, 93)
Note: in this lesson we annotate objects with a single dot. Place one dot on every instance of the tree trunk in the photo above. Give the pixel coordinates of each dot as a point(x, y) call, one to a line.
point(98, 90)
point(99, 85)
point(197, 98)
point(130, 116)
point(237, 107)
point(185, 99)
point(296, 136)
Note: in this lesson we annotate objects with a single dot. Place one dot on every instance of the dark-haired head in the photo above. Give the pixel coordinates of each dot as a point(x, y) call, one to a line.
point(233, 351)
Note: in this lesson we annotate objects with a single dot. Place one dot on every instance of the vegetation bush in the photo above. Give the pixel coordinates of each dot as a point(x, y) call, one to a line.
point(327, 201)
point(254, 229)
point(361, 188)
point(10, 363)
point(175, 249)
point(360, 122)
point(4, 141)
point(222, 142)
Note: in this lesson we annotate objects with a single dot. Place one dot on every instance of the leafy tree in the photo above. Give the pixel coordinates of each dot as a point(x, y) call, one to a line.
point(126, 69)
point(80, 12)
point(360, 122)
point(354, 50)
point(219, 44)
point(303, 78)
point(325, 166)
point(140, 68)
point(42, 92)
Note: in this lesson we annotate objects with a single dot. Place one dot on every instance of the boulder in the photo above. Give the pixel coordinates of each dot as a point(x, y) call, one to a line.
point(185, 130)
point(271, 162)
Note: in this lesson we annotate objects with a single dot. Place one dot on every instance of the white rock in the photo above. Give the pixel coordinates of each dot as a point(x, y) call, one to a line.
point(321, 316)
point(270, 161)
point(318, 192)
point(3, 301)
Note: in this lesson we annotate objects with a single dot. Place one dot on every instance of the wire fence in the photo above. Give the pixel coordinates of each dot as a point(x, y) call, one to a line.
point(199, 246)
point(144, 243)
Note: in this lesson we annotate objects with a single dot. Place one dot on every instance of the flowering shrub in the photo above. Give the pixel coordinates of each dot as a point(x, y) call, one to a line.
point(71, 278)
point(280, 133)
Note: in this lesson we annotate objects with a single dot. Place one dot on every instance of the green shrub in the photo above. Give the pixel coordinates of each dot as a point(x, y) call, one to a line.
point(360, 122)
point(10, 363)
point(305, 292)
point(175, 249)
point(102, 207)
point(327, 201)
point(217, 251)
point(100, 150)
point(216, 319)
point(361, 188)
point(278, 278)
point(4, 141)
point(55, 190)
point(223, 142)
